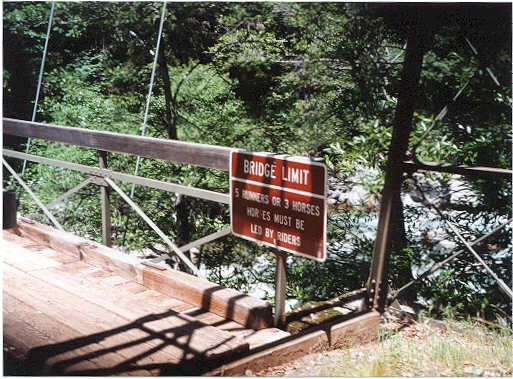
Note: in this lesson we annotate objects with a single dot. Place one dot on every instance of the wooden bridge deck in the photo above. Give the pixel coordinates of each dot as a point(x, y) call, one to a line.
point(75, 307)
point(63, 315)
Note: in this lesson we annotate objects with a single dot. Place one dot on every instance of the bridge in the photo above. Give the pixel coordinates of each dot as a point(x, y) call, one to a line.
point(76, 307)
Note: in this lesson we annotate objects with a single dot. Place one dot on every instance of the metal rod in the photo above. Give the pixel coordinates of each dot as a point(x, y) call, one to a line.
point(39, 80)
point(280, 283)
point(439, 117)
point(148, 99)
point(501, 284)
point(479, 171)
point(67, 194)
point(202, 241)
point(439, 265)
point(153, 226)
point(104, 193)
point(206, 239)
point(38, 202)
point(99, 172)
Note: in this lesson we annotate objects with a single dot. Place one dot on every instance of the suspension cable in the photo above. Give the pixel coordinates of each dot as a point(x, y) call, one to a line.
point(488, 70)
point(39, 81)
point(439, 117)
point(148, 99)
point(499, 281)
point(444, 111)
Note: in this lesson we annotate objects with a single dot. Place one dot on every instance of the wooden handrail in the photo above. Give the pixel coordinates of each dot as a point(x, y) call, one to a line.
point(217, 157)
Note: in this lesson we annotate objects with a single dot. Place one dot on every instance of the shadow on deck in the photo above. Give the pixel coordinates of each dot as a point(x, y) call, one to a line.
point(73, 307)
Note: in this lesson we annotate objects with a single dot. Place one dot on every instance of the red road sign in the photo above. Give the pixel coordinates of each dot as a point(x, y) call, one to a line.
point(280, 201)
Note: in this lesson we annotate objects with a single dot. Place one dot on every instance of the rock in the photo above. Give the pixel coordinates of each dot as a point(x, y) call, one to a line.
point(408, 200)
point(434, 235)
point(335, 194)
point(402, 312)
point(342, 197)
point(353, 198)
point(462, 192)
point(416, 197)
point(469, 370)
point(445, 244)
point(436, 324)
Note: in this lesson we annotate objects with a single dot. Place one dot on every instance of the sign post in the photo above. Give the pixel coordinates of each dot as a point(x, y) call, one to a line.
point(280, 285)
point(279, 201)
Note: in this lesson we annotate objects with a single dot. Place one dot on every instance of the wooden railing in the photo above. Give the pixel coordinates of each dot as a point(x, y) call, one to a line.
point(196, 154)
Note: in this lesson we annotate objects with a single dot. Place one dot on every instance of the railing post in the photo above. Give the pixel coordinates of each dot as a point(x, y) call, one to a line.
point(106, 226)
point(280, 283)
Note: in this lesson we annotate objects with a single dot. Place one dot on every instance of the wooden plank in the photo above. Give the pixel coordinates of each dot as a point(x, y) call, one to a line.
point(38, 248)
point(11, 234)
point(56, 239)
point(24, 336)
point(254, 338)
point(360, 329)
point(89, 251)
point(108, 295)
point(153, 339)
point(38, 336)
point(220, 323)
point(133, 287)
point(265, 337)
point(246, 310)
point(104, 293)
point(98, 323)
point(24, 259)
point(113, 260)
point(211, 156)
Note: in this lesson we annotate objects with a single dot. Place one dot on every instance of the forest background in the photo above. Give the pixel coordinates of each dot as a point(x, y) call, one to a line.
point(314, 79)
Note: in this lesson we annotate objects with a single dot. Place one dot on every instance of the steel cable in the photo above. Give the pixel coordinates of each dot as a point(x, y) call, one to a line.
point(148, 99)
point(39, 81)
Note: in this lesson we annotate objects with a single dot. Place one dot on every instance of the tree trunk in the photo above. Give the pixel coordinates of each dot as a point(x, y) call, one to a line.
point(170, 108)
point(182, 203)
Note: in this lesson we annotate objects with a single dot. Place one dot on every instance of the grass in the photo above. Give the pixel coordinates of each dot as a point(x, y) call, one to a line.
point(460, 348)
